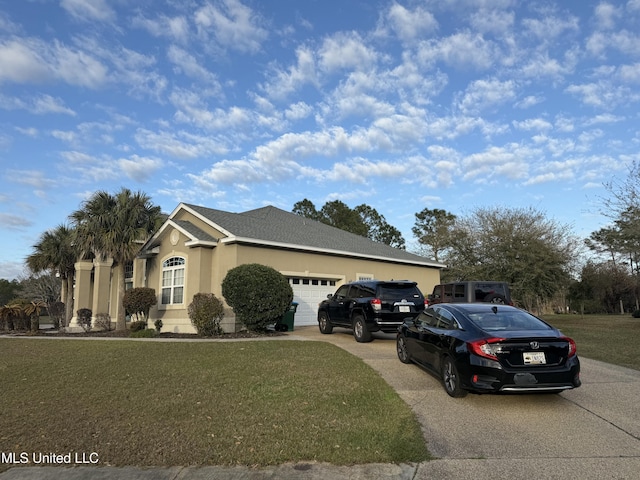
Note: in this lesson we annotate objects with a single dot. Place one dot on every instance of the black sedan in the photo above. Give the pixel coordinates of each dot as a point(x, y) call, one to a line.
point(488, 348)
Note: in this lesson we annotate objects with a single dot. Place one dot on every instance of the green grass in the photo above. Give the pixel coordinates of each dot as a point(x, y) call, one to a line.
point(609, 338)
point(162, 404)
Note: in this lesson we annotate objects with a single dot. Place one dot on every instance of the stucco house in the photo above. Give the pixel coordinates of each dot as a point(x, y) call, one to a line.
point(196, 246)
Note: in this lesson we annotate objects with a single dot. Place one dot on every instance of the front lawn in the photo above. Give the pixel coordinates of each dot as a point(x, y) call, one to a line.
point(608, 338)
point(210, 403)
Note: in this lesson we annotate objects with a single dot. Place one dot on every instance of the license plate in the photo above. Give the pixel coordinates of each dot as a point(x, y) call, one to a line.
point(404, 308)
point(534, 358)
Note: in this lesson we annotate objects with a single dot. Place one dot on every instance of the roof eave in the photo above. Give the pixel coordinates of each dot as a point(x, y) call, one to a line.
point(328, 251)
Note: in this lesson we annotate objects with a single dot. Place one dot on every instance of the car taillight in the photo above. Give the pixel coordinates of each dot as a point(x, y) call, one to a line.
point(426, 302)
point(486, 348)
point(376, 303)
point(572, 346)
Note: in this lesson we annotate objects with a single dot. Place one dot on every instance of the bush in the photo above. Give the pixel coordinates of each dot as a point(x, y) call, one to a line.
point(137, 326)
point(57, 313)
point(144, 333)
point(84, 318)
point(636, 314)
point(259, 295)
point(206, 312)
point(138, 301)
point(158, 325)
point(103, 321)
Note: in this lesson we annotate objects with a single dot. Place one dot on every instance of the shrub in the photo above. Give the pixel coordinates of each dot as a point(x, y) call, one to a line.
point(206, 312)
point(137, 326)
point(158, 325)
point(84, 318)
point(636, 314)
point(138, 301)
point(144, 333)
point(57, 313)
point(103, 321)
point(259, 295)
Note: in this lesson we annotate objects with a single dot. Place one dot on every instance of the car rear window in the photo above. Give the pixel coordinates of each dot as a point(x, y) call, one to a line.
point(491, 321)
point(399, 291)
point(482, 290)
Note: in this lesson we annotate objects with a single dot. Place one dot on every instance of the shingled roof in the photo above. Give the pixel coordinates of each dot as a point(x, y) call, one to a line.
point(270, 226)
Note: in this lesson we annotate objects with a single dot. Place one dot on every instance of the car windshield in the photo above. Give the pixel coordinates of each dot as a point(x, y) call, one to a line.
point(500, 319)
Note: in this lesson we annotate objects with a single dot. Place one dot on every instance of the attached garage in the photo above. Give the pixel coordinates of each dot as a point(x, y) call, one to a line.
point(308, 293)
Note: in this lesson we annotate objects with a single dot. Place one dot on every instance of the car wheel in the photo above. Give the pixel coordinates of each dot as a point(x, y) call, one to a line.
point(324, 324)
point(499, 299)
point(451, 379)
point(401, 348)
point(360, 330)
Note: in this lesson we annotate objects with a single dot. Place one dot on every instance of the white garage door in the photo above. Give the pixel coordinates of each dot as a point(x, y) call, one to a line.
point(308, 293)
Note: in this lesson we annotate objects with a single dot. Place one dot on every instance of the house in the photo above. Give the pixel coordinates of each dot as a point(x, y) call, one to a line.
point(196, 246)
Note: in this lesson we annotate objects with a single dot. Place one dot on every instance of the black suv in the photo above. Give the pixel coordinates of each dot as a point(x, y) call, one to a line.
point(470, 292)
point(370, 306)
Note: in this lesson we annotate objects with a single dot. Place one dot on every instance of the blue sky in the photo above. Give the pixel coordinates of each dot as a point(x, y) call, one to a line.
point(237, 104)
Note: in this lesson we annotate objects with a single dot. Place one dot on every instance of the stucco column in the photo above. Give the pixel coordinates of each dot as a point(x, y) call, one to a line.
point(82, 291)
point(101, 286)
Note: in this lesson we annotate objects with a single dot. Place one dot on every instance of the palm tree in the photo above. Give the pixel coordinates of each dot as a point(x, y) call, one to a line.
point(32, 310)
point(56, 252)
point(116, 226)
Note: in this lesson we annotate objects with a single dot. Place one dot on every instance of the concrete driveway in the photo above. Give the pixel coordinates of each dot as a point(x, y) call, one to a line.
point(589, 432)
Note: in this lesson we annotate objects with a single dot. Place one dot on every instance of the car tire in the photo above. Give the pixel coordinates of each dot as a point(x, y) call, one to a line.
point(324, 324)
point(495, 298)
point(401, 348)
point(451, 379)
point(360, 331)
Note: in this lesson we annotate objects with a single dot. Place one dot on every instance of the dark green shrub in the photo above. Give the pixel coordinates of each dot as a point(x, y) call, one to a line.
point(84, 318)
point(138, 301)
point(158, 325)
point(206, 312)
point(144, 333)
point(259, 295)
point(57, 312)
point(103, 321)
point(636, 314)
point(138, 325)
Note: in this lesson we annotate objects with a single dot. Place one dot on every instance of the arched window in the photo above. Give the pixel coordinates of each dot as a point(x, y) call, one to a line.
point(173, 280)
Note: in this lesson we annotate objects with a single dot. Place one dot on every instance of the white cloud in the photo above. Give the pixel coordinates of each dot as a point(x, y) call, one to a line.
point(607, 15)
point(89, 10)
point(22, 61)
point(462, 50)
point(139, 168)
point(175, 28)
point(498, 163)
point(281, 83)
point(189, 66)
point(551, 27)
point(47, 104)
point(486, 94)
point(629, 73)
point(182, 144)
point(410, 25)
point(498, 22)
point(345, 51)
point(529, 101)
point(232, 24)
point(537, 124)
point(14, 222)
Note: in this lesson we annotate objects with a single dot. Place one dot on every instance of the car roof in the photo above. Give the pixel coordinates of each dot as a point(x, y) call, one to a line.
point(383, 282)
